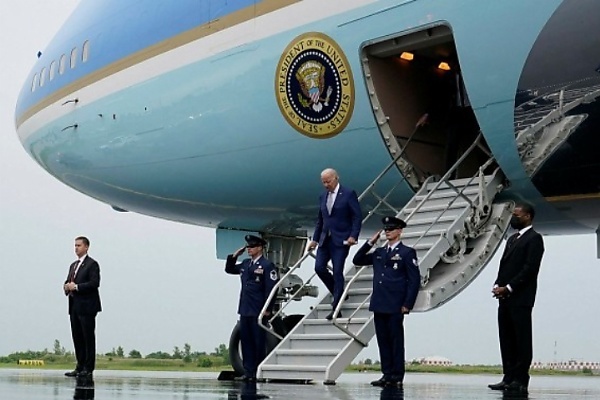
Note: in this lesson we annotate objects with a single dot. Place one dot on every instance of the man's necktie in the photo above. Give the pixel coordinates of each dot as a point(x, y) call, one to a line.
point(75, 270)
point(512, 239)
point(329, 202)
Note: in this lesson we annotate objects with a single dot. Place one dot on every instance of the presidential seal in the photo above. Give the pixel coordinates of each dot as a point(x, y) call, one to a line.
point(314, 86)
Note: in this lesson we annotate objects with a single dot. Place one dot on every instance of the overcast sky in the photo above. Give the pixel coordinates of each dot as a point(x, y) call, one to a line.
point(161, 283)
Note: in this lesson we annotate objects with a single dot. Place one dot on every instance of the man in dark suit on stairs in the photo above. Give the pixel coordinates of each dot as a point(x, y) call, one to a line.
point(338, 226)
point(515, 289)
point(81, 288)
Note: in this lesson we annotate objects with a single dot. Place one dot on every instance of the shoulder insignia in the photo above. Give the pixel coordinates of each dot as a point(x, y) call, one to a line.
point(273, 275)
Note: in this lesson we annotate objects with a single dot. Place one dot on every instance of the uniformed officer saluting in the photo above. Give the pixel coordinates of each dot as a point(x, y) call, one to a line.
point(258, 276)
point(396, 281)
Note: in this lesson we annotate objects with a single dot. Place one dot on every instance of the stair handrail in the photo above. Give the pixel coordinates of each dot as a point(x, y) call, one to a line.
point(269, 328)
point(394, 162)
point(427, 196)
point(339, 306)
point(460, 193)
point(444, 178)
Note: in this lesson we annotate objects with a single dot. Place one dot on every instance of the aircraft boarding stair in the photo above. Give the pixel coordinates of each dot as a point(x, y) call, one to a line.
point(441, 218)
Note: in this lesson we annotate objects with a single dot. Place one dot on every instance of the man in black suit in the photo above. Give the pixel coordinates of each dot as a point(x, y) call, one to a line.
point(338, 226)
point(81, 288)
point(515, 289)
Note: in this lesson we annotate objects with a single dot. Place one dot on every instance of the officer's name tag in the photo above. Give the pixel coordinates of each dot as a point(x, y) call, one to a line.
point(396, 257)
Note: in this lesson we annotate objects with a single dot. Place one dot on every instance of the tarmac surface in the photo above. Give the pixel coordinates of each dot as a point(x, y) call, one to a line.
point(31, 384)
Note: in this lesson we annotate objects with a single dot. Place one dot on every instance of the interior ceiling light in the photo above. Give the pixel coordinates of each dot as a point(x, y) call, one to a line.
point(444, 66)
point(407, 56)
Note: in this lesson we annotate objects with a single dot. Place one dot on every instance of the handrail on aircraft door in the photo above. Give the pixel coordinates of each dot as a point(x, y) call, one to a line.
point(274, 291)
point(383, 200)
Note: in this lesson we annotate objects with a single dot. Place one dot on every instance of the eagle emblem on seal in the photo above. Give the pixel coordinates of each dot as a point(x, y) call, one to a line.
point(311, 78)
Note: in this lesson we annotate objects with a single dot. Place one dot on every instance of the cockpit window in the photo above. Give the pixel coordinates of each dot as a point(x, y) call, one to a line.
point(34, 82)
point(43, 76)
point(73, 57)
point(52, 70)
point(86, 51)
point(62, 64)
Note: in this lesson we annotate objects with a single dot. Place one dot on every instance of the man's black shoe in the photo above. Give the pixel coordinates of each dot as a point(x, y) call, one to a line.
point(329, 316)
point(394, 384)
point(498, 386)
point(245, 378)
point(72, 374)
point(383, 381)
point(394, 381)
point(516, 388)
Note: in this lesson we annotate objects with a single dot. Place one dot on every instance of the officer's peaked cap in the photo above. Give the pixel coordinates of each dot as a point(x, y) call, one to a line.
point(393, 223)
point(254, 241)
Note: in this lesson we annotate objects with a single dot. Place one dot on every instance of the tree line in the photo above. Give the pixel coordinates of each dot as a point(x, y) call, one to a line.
point(219, 357)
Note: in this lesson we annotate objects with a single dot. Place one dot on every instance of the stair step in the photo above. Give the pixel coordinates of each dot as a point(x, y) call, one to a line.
point(296, 352)
point(345, 306)
point(291, 367)
point(438, 207)
point(447, 193)
point(459, 183)
point(428, 221)
point(413, 233)
point(320, 321)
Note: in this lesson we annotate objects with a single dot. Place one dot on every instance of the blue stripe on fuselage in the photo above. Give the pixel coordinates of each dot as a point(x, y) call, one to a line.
point(116, 29)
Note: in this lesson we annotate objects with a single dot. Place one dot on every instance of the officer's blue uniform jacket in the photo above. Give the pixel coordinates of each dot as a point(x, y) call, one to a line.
point(396, 277)
point(257, 282)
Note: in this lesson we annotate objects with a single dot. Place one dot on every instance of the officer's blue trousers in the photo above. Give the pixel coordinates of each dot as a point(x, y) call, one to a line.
point(389, 329)
point(253, 345)
point(337, 254)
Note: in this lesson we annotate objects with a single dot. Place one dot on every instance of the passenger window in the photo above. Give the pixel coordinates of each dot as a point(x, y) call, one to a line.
point(62, 64)
point(34, 82)
point(85, 51)
point(52, 70)
point(73, 57)
point(43, 76)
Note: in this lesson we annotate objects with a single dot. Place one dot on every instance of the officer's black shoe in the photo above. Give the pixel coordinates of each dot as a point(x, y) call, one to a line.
point(245, 378)
point(383, 381)
point(498, 386)
point(516, 387)
point(329, 316)
point(72, 374)
point(394, 381)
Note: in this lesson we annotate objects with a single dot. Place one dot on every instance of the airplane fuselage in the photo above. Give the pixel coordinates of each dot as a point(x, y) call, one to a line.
point(182, 110)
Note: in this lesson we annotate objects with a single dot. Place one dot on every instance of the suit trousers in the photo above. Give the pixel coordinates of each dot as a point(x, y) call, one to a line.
point(253, 339)
point(516, 343)
point(337, 255)
point(84, 339)
point(389, 329)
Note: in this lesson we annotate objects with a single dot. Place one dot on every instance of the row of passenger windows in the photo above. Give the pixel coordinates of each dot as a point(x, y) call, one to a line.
point(49, 73)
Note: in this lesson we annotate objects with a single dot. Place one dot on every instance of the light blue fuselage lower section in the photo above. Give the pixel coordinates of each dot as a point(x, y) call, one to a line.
point(206, 143)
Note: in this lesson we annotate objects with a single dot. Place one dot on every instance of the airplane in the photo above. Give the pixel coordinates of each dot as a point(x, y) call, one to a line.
point(223, 113)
